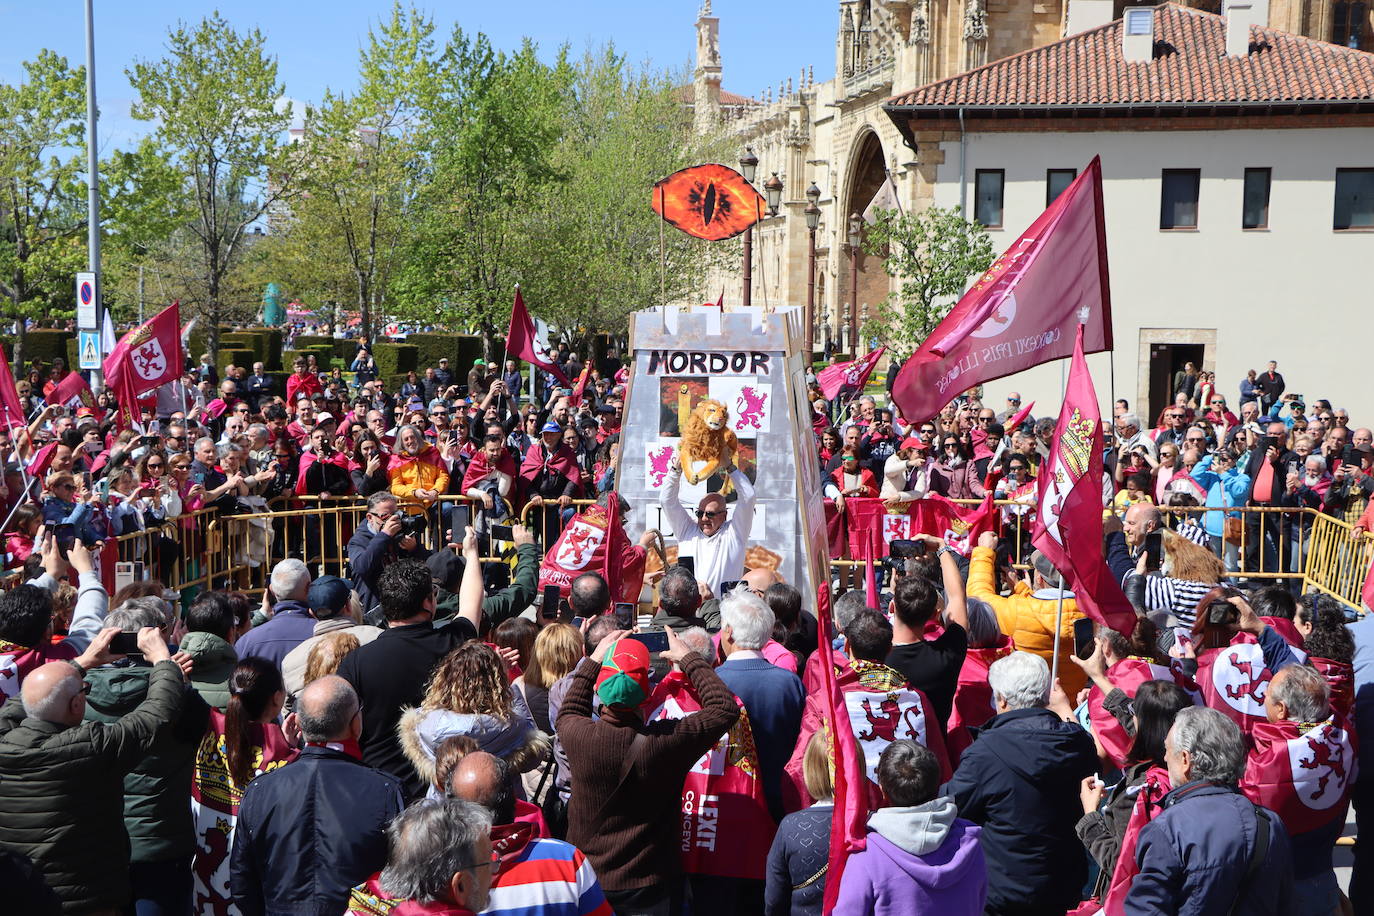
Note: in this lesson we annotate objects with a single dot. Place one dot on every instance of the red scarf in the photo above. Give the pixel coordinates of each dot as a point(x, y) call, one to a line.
point(480, 467)
point(428, 455)
point(308, 459)
point(562, 462)
point(349, 747)
point(1126, 675)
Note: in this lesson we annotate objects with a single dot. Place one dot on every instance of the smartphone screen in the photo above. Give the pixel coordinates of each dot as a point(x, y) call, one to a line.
point(624, 612)
point(728, 587)
point(1154, 545)
point(549, 610)
point(501, 533)
point(125, 644)
point(65, 535)
point(1083, 638)
point(654, 640)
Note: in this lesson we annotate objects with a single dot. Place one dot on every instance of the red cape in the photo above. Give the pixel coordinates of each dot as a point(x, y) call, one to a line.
point(480, 467)
point(308, 459)
point(429, 455)
point(561, 462)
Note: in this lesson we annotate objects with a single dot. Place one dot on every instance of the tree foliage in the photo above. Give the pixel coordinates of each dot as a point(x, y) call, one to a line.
point(214, 98)
point(932, 253)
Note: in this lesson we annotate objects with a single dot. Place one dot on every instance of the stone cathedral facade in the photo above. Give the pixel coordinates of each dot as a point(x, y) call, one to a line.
point(837, 135)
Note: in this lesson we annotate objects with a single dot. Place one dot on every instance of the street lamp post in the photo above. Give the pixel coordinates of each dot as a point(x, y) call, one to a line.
point(856, 235)
point(748, 164)
point(813, 220)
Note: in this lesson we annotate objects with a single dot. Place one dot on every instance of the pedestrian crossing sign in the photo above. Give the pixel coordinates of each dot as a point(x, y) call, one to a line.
point(89, 349)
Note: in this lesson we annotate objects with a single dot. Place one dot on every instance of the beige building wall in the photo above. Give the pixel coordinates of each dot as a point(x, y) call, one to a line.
point(1297, 292)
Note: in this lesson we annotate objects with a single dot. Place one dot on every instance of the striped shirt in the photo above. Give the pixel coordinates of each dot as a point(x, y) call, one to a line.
point(1177, 596)
point(547, 878)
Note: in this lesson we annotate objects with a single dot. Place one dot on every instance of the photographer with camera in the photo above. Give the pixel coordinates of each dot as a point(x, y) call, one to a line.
point(386, 535)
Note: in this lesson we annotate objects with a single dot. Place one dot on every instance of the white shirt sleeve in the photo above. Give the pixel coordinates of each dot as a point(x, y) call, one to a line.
point(744, 506)
point(683, 526)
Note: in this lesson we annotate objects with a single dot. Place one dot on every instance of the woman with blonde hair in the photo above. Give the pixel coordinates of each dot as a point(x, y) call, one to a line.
point(327, 654)
point(557, 650)
point(469, 694)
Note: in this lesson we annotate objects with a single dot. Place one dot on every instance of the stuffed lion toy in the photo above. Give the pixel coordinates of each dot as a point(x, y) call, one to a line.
point(708, 444)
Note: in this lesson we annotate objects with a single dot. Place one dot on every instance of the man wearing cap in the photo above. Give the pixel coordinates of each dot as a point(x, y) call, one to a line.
point(551, 474)
point(716, 544)
point(331, 604)
point(443, 374)
point(477, 380)
point(625, 809)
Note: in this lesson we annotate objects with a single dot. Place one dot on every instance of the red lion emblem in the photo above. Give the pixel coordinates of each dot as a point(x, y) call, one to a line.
point(1326, 754)
point(749, 408)
point(575, 546)
point(1257, 683)
point(212, 855)
point(884, 727)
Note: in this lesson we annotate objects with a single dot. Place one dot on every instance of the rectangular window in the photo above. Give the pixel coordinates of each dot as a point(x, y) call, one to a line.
point(1056, 181)
point(988, 185)
point(1255, 207)
point(1354, 199)
point(1178, 198)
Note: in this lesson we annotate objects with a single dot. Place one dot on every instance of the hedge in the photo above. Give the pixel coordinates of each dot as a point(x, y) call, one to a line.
point(459, 349)
point(395, 359)
point(46, 344)
point(306, 341)
point(229, 356)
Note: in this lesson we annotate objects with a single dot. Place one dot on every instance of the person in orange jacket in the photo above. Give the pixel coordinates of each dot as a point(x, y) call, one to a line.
point(1027, 614)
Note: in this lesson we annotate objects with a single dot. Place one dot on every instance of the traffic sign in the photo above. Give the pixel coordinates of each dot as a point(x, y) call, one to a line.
point(89, 349)
point(85, 302)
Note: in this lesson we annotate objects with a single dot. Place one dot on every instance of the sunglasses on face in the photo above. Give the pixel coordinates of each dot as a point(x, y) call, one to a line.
point(707, 513)
point(1176, 416)
point(154, 465)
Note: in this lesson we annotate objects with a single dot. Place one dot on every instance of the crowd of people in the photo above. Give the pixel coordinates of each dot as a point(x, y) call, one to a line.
point(425, 732)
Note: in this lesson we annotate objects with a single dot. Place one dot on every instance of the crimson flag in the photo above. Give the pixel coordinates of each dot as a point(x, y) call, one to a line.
point(1147, 805)
point(41, 461)
point(1127, 675)
point(1020, 417)
point(73, 392)
point(849, 819)
point(1068, 517)
point(874, 524)
point(853, 374)
point(522, 341)
point(1022, 312)
point(1303, 773)
point(575, 399)
point(1234, 679)
point(147, 357)
point(724, 789)
point(11, 411)
point(588, 544)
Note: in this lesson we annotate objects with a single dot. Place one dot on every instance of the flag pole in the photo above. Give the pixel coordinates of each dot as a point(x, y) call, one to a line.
point(1058, 625)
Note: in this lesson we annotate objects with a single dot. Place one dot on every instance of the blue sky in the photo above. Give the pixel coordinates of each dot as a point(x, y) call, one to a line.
point(317, 42)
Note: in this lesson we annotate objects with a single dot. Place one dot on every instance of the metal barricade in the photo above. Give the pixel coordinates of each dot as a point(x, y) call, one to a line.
point(545, 520)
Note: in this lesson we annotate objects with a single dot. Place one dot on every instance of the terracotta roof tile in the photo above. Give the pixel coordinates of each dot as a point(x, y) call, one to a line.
point(1190, 66)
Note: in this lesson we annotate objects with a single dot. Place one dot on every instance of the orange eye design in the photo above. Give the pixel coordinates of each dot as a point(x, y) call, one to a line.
point(711, 202)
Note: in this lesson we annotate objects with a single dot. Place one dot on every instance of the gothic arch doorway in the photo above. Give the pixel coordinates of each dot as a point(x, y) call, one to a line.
point(866, 176)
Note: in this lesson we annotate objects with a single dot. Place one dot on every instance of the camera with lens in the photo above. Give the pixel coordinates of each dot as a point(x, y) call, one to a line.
point(413, 526)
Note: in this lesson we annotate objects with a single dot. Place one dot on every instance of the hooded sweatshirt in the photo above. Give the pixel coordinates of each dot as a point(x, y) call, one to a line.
point(213, 660)
point(922, 859)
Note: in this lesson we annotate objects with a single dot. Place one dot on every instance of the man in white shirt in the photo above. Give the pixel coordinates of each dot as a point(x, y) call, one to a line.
point(717, 545)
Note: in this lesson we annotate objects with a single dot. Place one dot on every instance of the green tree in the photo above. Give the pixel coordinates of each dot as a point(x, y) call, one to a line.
point(214, 98)
point(42, 134)
point(597, 236)
point(932, 253)
point(492, 128)
point(361, 171)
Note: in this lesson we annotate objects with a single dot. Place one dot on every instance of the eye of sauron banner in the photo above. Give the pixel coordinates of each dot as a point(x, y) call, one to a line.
point(711, 202)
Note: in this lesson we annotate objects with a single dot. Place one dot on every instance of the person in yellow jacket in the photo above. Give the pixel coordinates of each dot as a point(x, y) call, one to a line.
point(416, 470)
point(1027, 614)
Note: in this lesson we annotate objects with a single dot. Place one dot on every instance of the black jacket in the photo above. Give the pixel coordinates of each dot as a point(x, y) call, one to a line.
point(390, 673)
point(308, 832)
point(368, 554)
point(62, 792)
point(1019, 780)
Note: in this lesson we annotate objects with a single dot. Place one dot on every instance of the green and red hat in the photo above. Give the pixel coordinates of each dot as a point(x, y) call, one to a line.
point(624, 677)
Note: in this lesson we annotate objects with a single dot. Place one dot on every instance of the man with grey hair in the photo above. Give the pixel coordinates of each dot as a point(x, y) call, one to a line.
point(291, 622)
point(773, 697)
point(1020, 780)
point(62, 779)
point(378, 542)
point(1129, 436)
point(156, 816)
point(440, 859)
point(1210, 850)
point(1297, 705)
point(679, 599)
point(310, 831)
